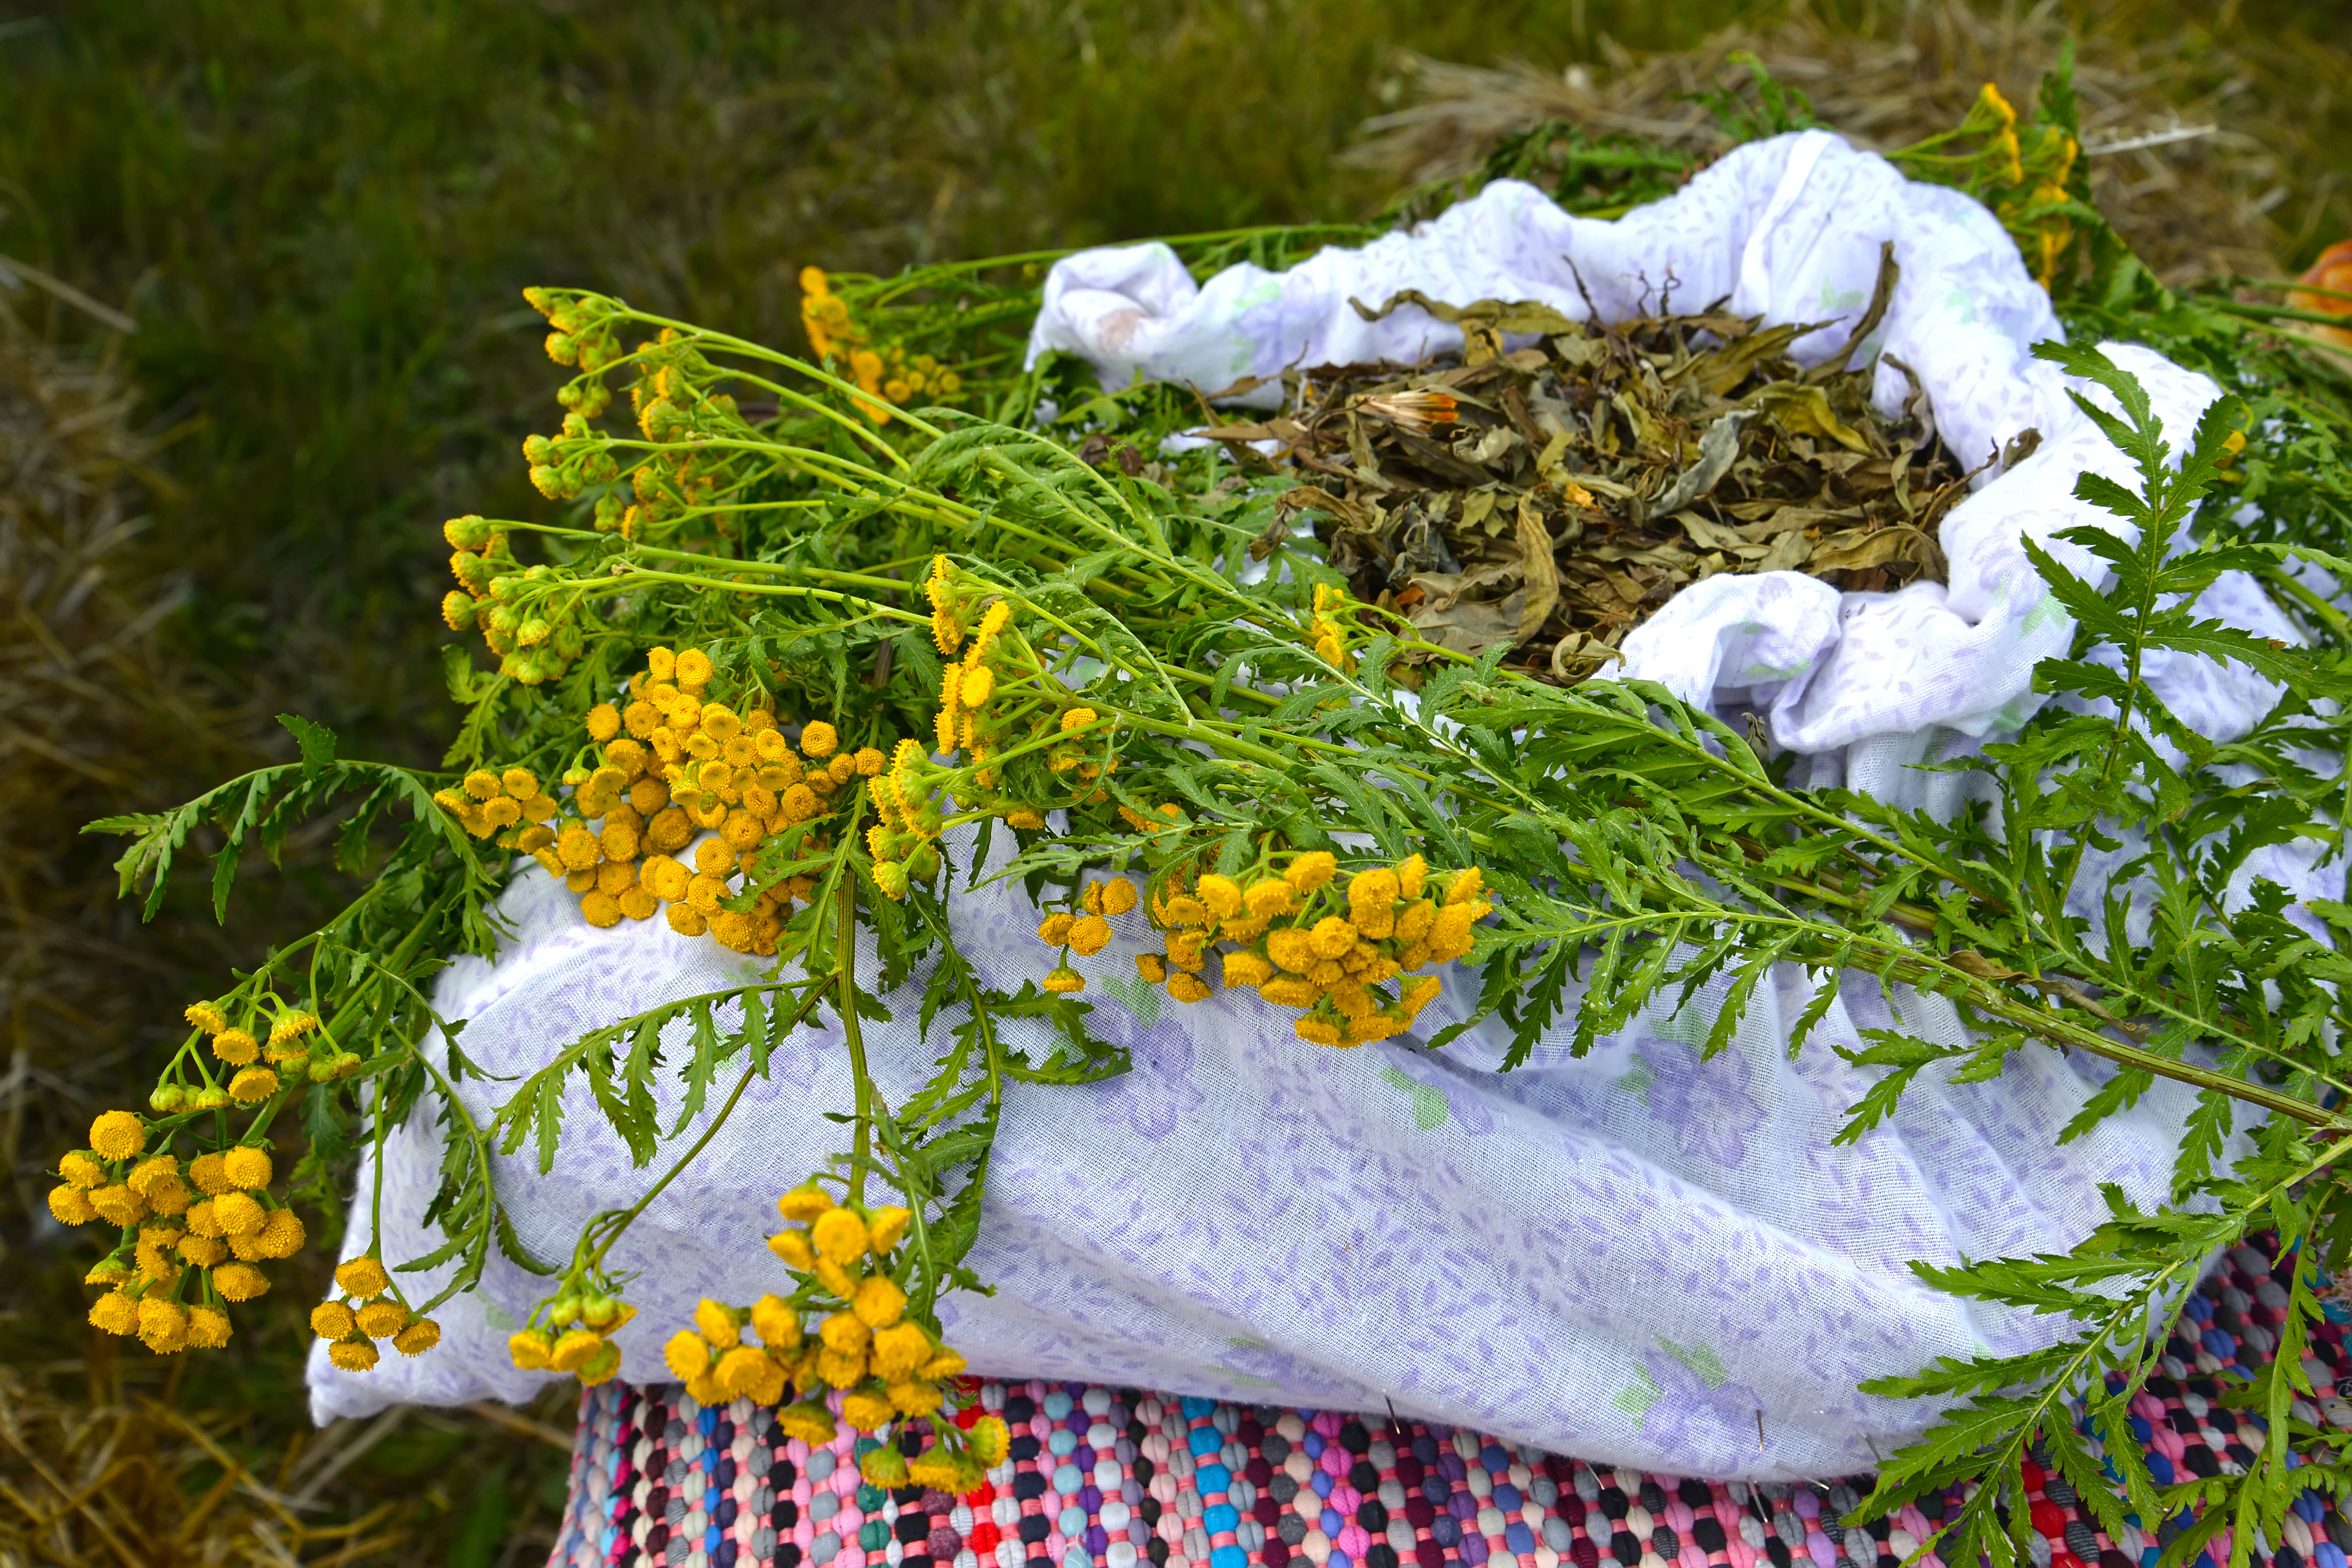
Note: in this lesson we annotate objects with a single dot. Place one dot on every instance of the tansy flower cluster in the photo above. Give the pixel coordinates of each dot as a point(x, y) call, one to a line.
point(585, 335)
point(885, 373)
point(180, 1256)
point(1340, 952)
point(264, 1051)
point(532, 633)
point(998, 696)
point(673, 407)
point(577, 1336)
point(2020, 176)
point(1084, 933)
point(843, 1328)
point(1323, 631)
point(671, 764)
point(366, 1312)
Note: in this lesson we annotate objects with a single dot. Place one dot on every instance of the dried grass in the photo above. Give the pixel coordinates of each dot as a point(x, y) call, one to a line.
point(95, 717)
point(110, 1455)
point(2191, 140)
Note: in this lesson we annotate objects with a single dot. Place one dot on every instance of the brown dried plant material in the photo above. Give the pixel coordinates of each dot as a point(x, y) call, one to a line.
point(2193, 148)
point(94, 716)
point(1551, 497)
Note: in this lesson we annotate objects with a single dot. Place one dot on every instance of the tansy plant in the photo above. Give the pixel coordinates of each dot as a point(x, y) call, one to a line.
point(783, 669)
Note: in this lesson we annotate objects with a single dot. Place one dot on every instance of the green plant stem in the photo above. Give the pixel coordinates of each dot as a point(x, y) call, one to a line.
point(845, 966)
point(777, 590)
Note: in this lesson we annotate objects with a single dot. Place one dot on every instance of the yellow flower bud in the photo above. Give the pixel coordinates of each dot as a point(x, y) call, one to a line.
point(209, 1172)
point(529, 1349)
point(916, 1398)
point(1063, 981)
point(118, 1205)
point(866, 1412)
point(840, 1369)
point(991, 1440)
point(687, 1355)
point(281, 1235)
point(880, 1302)
point(840, 1281)
point(1286, 990)
point(841, 1236)
point(251, 1085)
point(333, 1321)
point(1311, 870)
point(742, 1369)
point(883, 1465)
point(718, 1324)
point(1331, 937)
point(1187, 988)
point(235, 1046)
point(845, 1332)
point(889, 1225)
point(778, 1323)
point(246, 1167)
point(238, 1214)
point(574, 1349)
point(899, 1349)
point(81, 1171)
point(417, 1338)
point(381, 1319)
point(208, 1327)
point(1411, 872)
point(362, 1278)
point(354, 1355)
point(206, 1016)
point(116, 1313)
point(239, 1281)
point(1414, 920)
point(118, 1134)
point(1222, 895)
point(163, 1325)
point(1088, 935)
point(793, 1247)
point(1246, 968)
point(809, 1421)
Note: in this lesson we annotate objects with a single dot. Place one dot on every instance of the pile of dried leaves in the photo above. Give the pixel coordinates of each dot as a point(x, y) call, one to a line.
point(1550, 497)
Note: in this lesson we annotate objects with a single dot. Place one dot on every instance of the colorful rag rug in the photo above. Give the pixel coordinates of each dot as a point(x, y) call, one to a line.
point(1100, 1478)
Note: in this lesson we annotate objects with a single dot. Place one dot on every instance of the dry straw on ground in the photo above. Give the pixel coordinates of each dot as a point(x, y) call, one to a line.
point(94, 718)
point(2188, 140)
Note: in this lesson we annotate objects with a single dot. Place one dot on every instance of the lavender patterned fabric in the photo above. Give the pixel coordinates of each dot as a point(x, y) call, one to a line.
point(1635, 1257)
point(1627, 1256)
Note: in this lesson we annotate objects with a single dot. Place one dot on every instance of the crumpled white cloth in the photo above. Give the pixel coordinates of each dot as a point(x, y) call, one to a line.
point(1636, 1257)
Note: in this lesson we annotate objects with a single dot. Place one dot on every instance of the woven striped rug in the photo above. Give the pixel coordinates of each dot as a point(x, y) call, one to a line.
point(1101, 1477)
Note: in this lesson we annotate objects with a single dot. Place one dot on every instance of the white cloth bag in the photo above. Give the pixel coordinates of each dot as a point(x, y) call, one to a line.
point(1634, 1256)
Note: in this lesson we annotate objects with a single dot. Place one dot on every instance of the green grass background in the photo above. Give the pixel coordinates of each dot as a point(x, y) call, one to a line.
point(321, 213)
